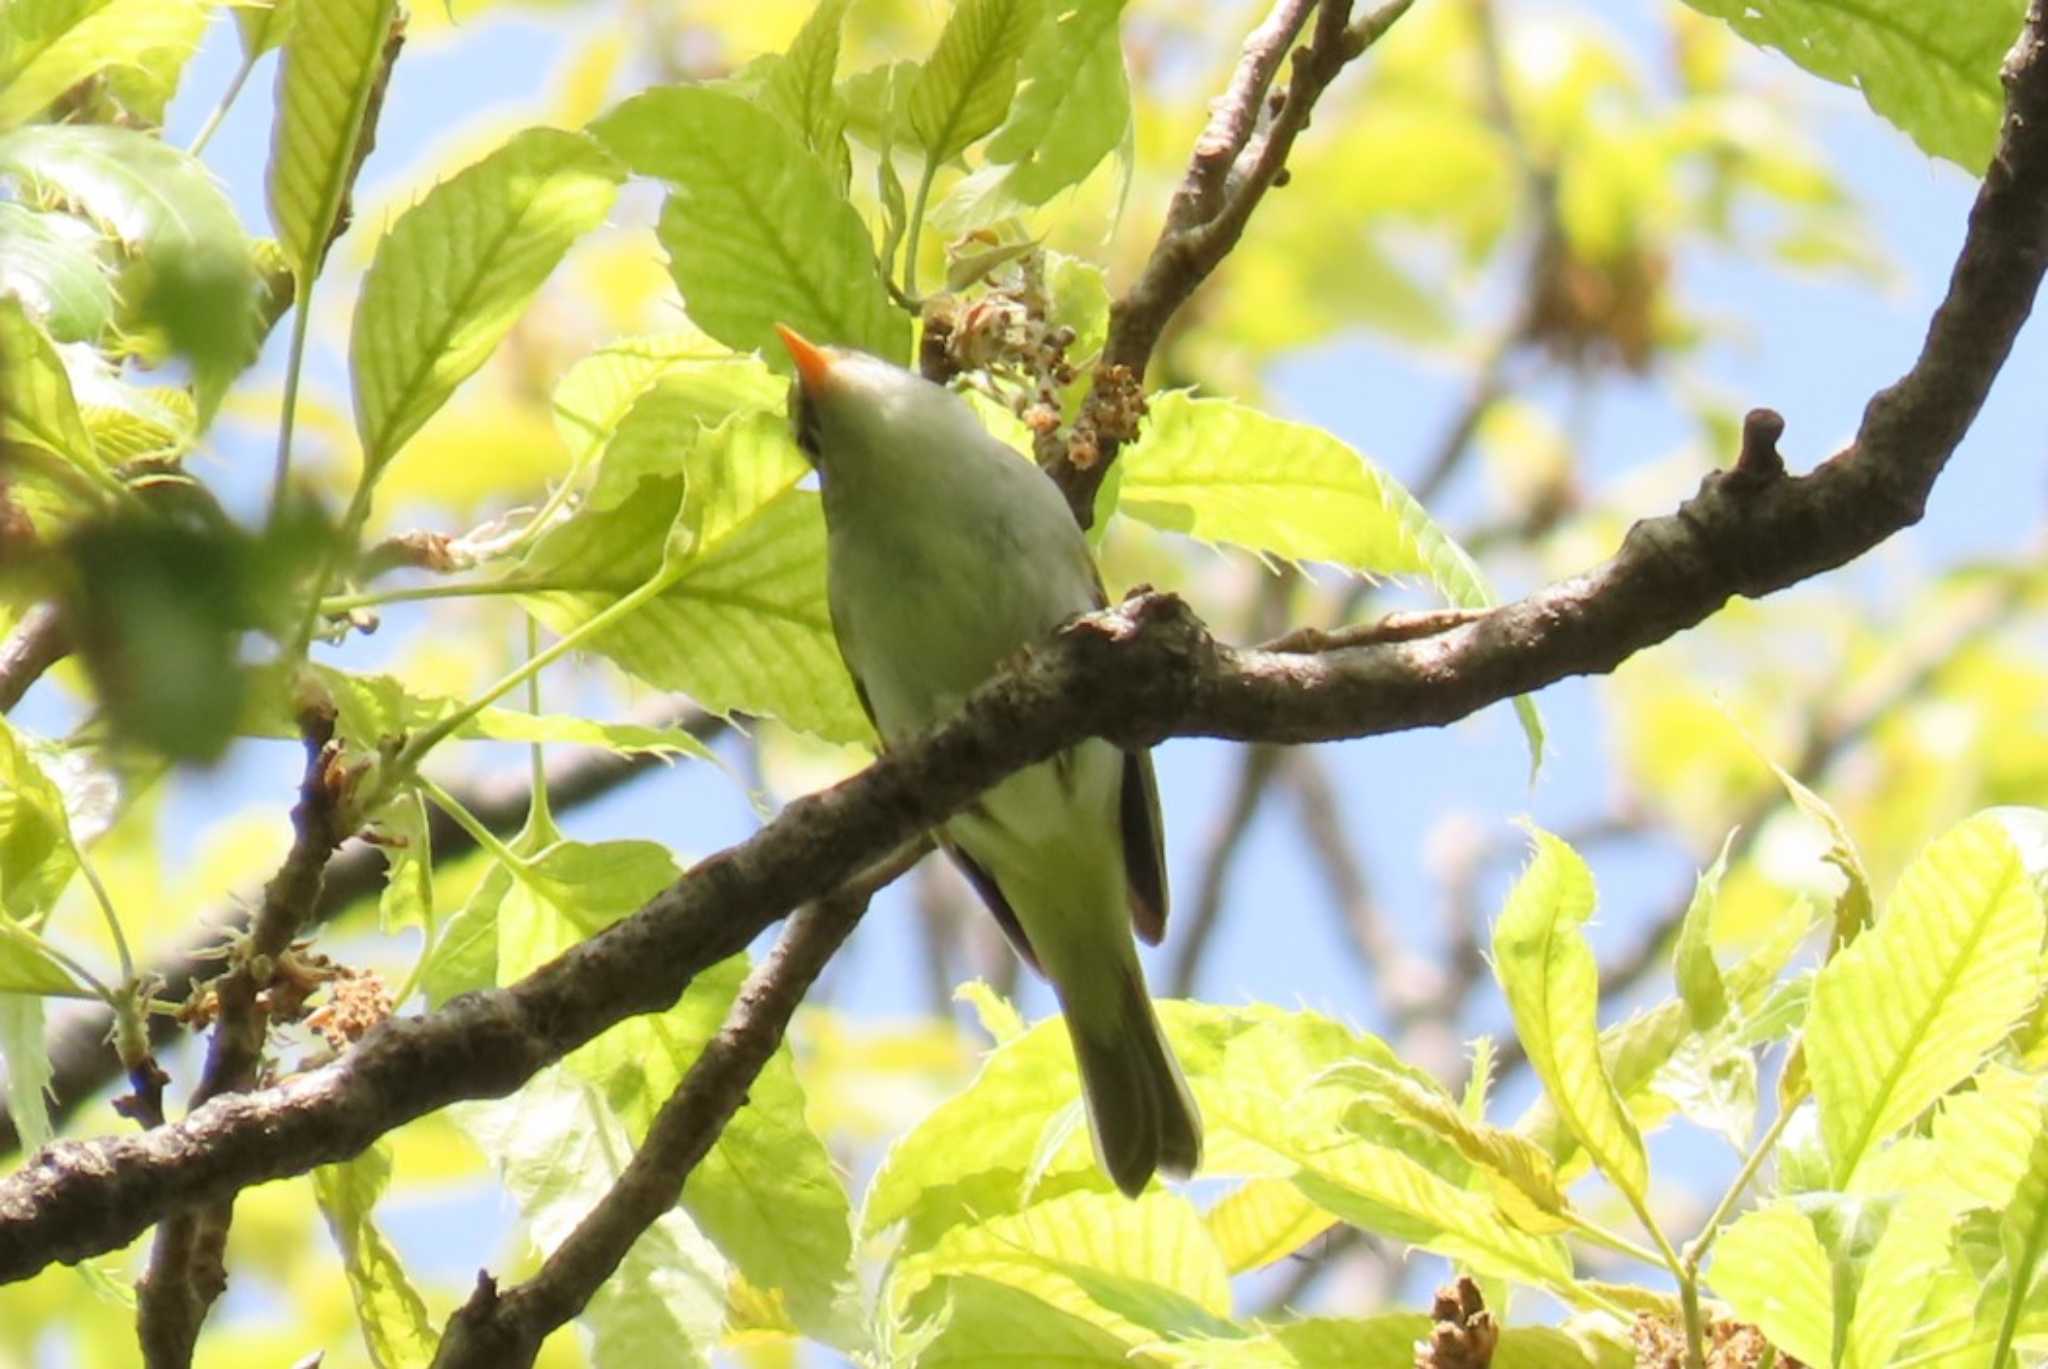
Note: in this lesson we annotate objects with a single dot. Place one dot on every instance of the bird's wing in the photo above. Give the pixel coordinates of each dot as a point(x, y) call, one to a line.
point(1144, 833)
point(992, 895)
point(1144, 847)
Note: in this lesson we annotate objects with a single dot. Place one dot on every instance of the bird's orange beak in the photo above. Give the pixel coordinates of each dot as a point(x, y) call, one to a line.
point(812, 362)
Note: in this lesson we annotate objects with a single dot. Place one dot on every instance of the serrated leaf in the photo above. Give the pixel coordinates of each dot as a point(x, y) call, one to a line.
point(756, 231)
point(1553, 990)
point(37, 858)
point(744, 625)
point(1692, 954)
point(1073, 105)
point(1772, 1270)
point(51, 261)
point(22, 1052)
point(457, 269)
point(397, 1331)
point(2023, 1238)
point(1985, 1138)
point(191, 283)
point(1712, 1079)
point(262, 25)
point(964, 88)
point(1519, 1173)
point(1138, 1270)
point(997, 1015)
point(1264, 1220)
point(37, 406)
point(408, 897)
point(598, 391)
point(333, 62)
point(1221, 471)
point(979, 1320)
point(1907, 1010)
point(799, 88)
point(1930, 69)
point(46, 49)
point(1883, 1252)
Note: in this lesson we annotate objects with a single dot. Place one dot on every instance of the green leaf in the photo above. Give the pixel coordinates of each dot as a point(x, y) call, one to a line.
point(47, 48)
point(37, 860)
point(334, 63)
point(745, 625)
point(964, 89)
point(2023, 1237)
point(598, 391)
point(455, 272)
point(1553, 990)
point(1221, 471)
point(1883, 1254)
point(1138, 1269)
point(560, 1146)
point(191, 283)
point(22, 1052)
point(1264, 1220)
point(756, 231)
point(1907, 1010)
point(52, 262)
point(987, 1323)
point(1772, 1270)
point(1855, 908)
point(1386, 1341)
point(37, 407)
point(1073, 105)
point(1692, 955)
point(1931, 69)
point(408, 897)
point(1519, 1173)
point(799, 88)
point(465, 954)
point(397, 1331)
point(262, 25)
point(1985, 1138)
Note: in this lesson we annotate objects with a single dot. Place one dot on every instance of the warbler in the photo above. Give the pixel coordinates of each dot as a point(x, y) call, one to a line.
point(946, 555)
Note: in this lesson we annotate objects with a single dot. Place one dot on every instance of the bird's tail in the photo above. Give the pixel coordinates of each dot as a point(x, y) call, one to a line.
point(1139, 1108)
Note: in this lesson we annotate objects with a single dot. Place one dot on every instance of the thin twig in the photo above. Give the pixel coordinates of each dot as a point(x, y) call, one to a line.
point(505, 1328)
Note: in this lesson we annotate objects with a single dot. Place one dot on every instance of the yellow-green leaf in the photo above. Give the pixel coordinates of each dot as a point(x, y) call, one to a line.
point(334, 61)
point(1908, 1010)
point(1771, 1268)
point(46, 49)
point(1553, 990)
point(396, 1328)
point(457, 269)
point(756, 230)
point(1264, 1220)
point(964, 89)
point(1221, 471)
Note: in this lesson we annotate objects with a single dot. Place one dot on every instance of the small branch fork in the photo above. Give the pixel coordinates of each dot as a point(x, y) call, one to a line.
point(1241, 154)
point(498, 1328)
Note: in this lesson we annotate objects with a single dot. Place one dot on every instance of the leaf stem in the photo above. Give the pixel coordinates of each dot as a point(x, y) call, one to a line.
point(1613, 1240)
point(227, 100)
point(486, 840)
point(99, 893)
point(295, 362)
point(614, 613)
point(916, 235)
point(1696, 1250)
point(344, 603)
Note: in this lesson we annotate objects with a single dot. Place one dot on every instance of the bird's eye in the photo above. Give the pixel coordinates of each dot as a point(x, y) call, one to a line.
point(803, 421)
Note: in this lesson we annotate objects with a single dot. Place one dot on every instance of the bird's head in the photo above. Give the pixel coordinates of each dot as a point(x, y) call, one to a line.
point(849, 408)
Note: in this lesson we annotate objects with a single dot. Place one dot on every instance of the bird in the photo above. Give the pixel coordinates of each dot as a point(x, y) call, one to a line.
point(947, 555)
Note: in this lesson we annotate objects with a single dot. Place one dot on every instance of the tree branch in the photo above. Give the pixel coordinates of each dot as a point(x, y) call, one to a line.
point(1134, 674)
point(1241, 154)
point(83, 1062)
point(496, 1329)
point(37, 643)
